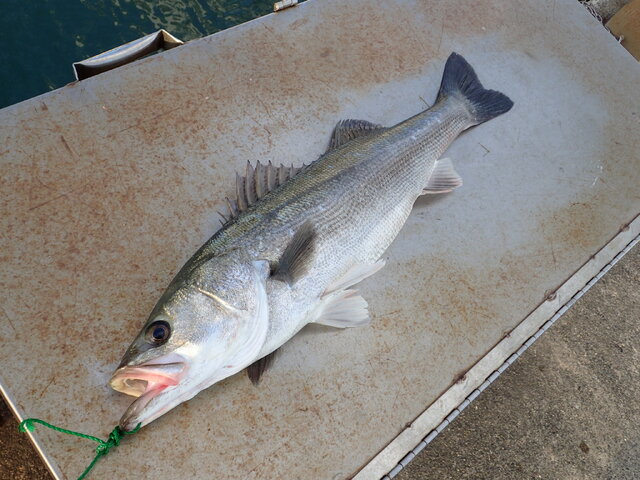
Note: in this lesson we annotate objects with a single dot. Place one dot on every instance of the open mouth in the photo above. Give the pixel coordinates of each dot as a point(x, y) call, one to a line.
point(148, 379)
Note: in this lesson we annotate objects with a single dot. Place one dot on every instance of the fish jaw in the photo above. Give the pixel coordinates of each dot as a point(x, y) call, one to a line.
point(148, 380)
point(158, 400)
point(139, 412)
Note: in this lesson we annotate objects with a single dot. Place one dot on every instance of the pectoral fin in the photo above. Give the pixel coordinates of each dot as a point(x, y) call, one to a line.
point(296, 258)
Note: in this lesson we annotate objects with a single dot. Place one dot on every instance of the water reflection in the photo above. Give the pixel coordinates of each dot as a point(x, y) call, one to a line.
point(40, 40)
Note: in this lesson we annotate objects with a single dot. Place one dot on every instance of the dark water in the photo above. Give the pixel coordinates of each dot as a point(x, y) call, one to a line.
point(40, 39)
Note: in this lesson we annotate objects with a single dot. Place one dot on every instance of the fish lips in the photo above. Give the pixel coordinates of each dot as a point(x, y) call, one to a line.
point(146, 381)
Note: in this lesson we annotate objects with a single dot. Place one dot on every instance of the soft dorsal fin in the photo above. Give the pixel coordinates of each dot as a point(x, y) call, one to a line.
point(257, 368)
point(443, 179)
point(255, 184)
point(347, 130)
point(296, 258)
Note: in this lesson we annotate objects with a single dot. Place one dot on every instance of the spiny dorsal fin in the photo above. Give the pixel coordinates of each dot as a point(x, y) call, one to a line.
point(250, 185)
point(349, 129)
point(257, 368)
point(255, 184)
point(241, 196)
point(296, 258)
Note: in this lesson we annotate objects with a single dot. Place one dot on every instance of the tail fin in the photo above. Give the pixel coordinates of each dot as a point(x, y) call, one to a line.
point(460, 80)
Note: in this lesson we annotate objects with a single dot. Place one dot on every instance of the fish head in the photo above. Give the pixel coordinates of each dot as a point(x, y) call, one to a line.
point(206, 327)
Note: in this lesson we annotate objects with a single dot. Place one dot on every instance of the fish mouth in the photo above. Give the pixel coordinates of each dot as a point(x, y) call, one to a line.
point(147, 380)
point(155, 375)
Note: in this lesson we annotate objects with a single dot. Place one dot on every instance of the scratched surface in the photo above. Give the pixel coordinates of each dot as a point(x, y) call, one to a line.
point(110, 184)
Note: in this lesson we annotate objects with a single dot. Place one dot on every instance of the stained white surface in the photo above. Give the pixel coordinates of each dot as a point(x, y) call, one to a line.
point(110, 184)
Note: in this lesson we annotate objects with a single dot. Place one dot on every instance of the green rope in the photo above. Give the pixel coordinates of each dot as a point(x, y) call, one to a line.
point(103, 445)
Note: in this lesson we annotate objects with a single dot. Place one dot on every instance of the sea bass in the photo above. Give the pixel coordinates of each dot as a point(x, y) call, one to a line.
point(297, 241)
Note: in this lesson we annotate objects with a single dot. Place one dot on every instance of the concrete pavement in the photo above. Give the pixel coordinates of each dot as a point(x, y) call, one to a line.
point(569, 408)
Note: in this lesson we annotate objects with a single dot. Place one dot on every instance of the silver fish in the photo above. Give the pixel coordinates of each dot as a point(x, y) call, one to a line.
point(298, 239)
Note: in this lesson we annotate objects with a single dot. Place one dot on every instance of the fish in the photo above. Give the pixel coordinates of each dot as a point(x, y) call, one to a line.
point(297, 240)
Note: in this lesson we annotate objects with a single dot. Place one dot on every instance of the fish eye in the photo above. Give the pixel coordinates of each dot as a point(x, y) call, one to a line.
point(158, 332)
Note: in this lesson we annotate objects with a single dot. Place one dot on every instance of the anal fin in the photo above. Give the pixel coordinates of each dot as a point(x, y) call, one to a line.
point(443, 179)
